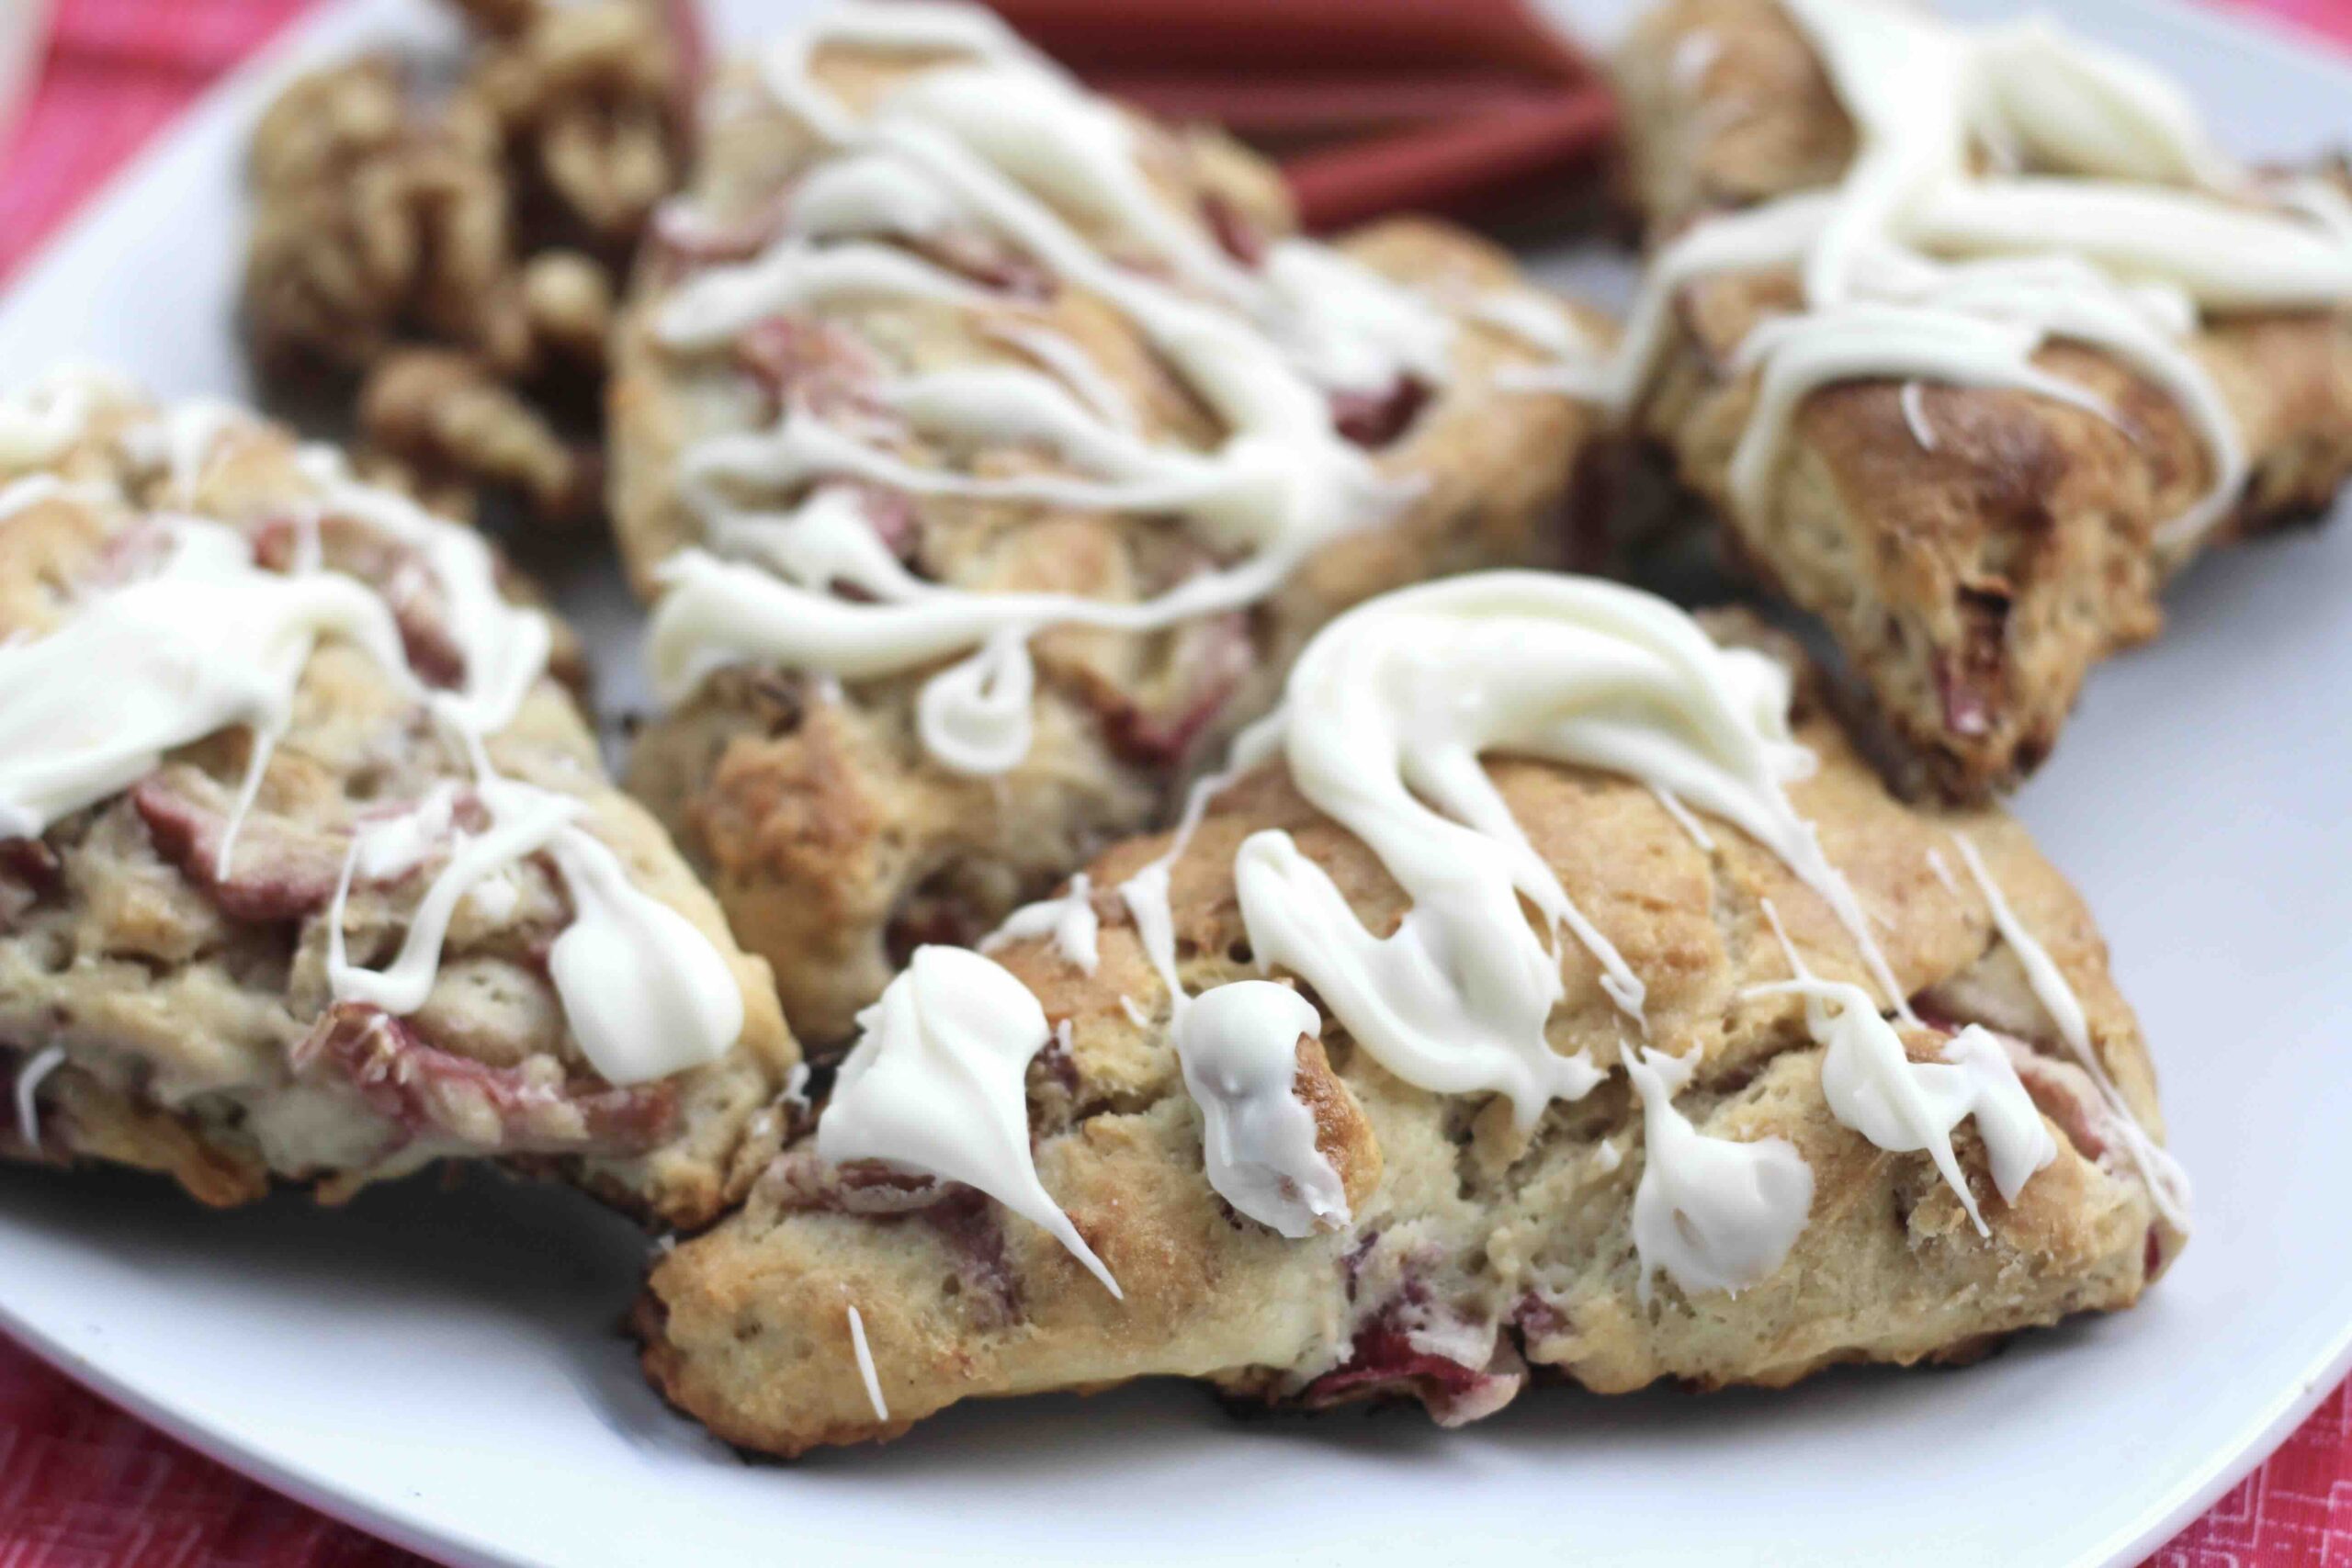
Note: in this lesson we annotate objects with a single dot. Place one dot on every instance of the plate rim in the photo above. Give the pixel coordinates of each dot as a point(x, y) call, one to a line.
point(343, 22)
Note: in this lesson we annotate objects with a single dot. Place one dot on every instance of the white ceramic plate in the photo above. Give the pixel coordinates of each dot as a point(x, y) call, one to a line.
point(446, 1368)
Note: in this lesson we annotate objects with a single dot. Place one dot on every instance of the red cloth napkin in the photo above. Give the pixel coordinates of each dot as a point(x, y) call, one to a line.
point(84, 1484)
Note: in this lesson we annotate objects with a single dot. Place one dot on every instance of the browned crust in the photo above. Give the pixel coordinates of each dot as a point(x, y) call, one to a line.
point(1521, 1244)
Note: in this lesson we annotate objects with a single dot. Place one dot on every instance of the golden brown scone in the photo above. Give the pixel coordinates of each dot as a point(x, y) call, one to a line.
point(158, 1013)
point(833, 843)
point(1971, 587)
point(1472, 1252)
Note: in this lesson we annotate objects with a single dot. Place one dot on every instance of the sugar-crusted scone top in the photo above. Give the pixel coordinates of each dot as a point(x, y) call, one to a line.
point(1540, 983)
point(311, 869)
point(1024, 419)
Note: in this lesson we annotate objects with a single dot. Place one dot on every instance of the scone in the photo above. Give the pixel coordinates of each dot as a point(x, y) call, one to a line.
point(307, 867)
point(1556, 988)
point(991, 451)
point(1969, 340)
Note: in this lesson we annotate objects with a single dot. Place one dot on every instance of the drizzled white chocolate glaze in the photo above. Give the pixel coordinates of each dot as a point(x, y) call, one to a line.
point(1385, 718)
point(1929, 261)
point(504, 646)
point(181, 441)
point(935, 1086)
point(646, 993)
point(1713, 1213)
point(37, 1066)
point(1914, 401)
point(996, 139)
point(866, 1372)
point(1239, 1057)
point(1069, 919)
point(1535, 319)
point(1904, 1107)
point(24, 494)
point(207, 640)
point(1237, 1044)
point(1072, 366)
point(41, 422)
point(2166, 1182)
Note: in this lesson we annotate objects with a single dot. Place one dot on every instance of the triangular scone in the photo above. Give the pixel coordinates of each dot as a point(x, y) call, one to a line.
point(991, 336)
point(177, 586)
point(1974, 543)
point(1437, 1244)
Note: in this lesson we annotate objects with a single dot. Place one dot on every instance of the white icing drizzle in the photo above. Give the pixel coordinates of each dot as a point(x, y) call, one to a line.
point(936, 1085)
point(207, 640)
point(1237, 1044)
point(1942, 870)
point(718, 305)
point(1715, 1213)
point(646, 993)
point(1915, 415)
point(1533, 318)
point(1385, 716)
point(1346, 327)
point(24, 494)
point(714, 613)
point(1800, 355)
point(1146, 893)
point(2168, 1183)
point(1069, 919)
point(645, 990)
point(1920, 264)
point(38, 422)
point(866, 1366)
point(37, 1066)
point(504, 646)
point(182, 438)
point(999, 141)
point(1684, 817)
point(1904, 1107)
point(1071, 364)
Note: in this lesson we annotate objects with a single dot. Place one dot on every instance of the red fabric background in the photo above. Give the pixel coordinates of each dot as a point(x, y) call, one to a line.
point(84, 1484)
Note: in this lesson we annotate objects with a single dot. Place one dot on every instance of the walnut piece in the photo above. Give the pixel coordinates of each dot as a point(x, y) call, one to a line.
point(448, 255)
